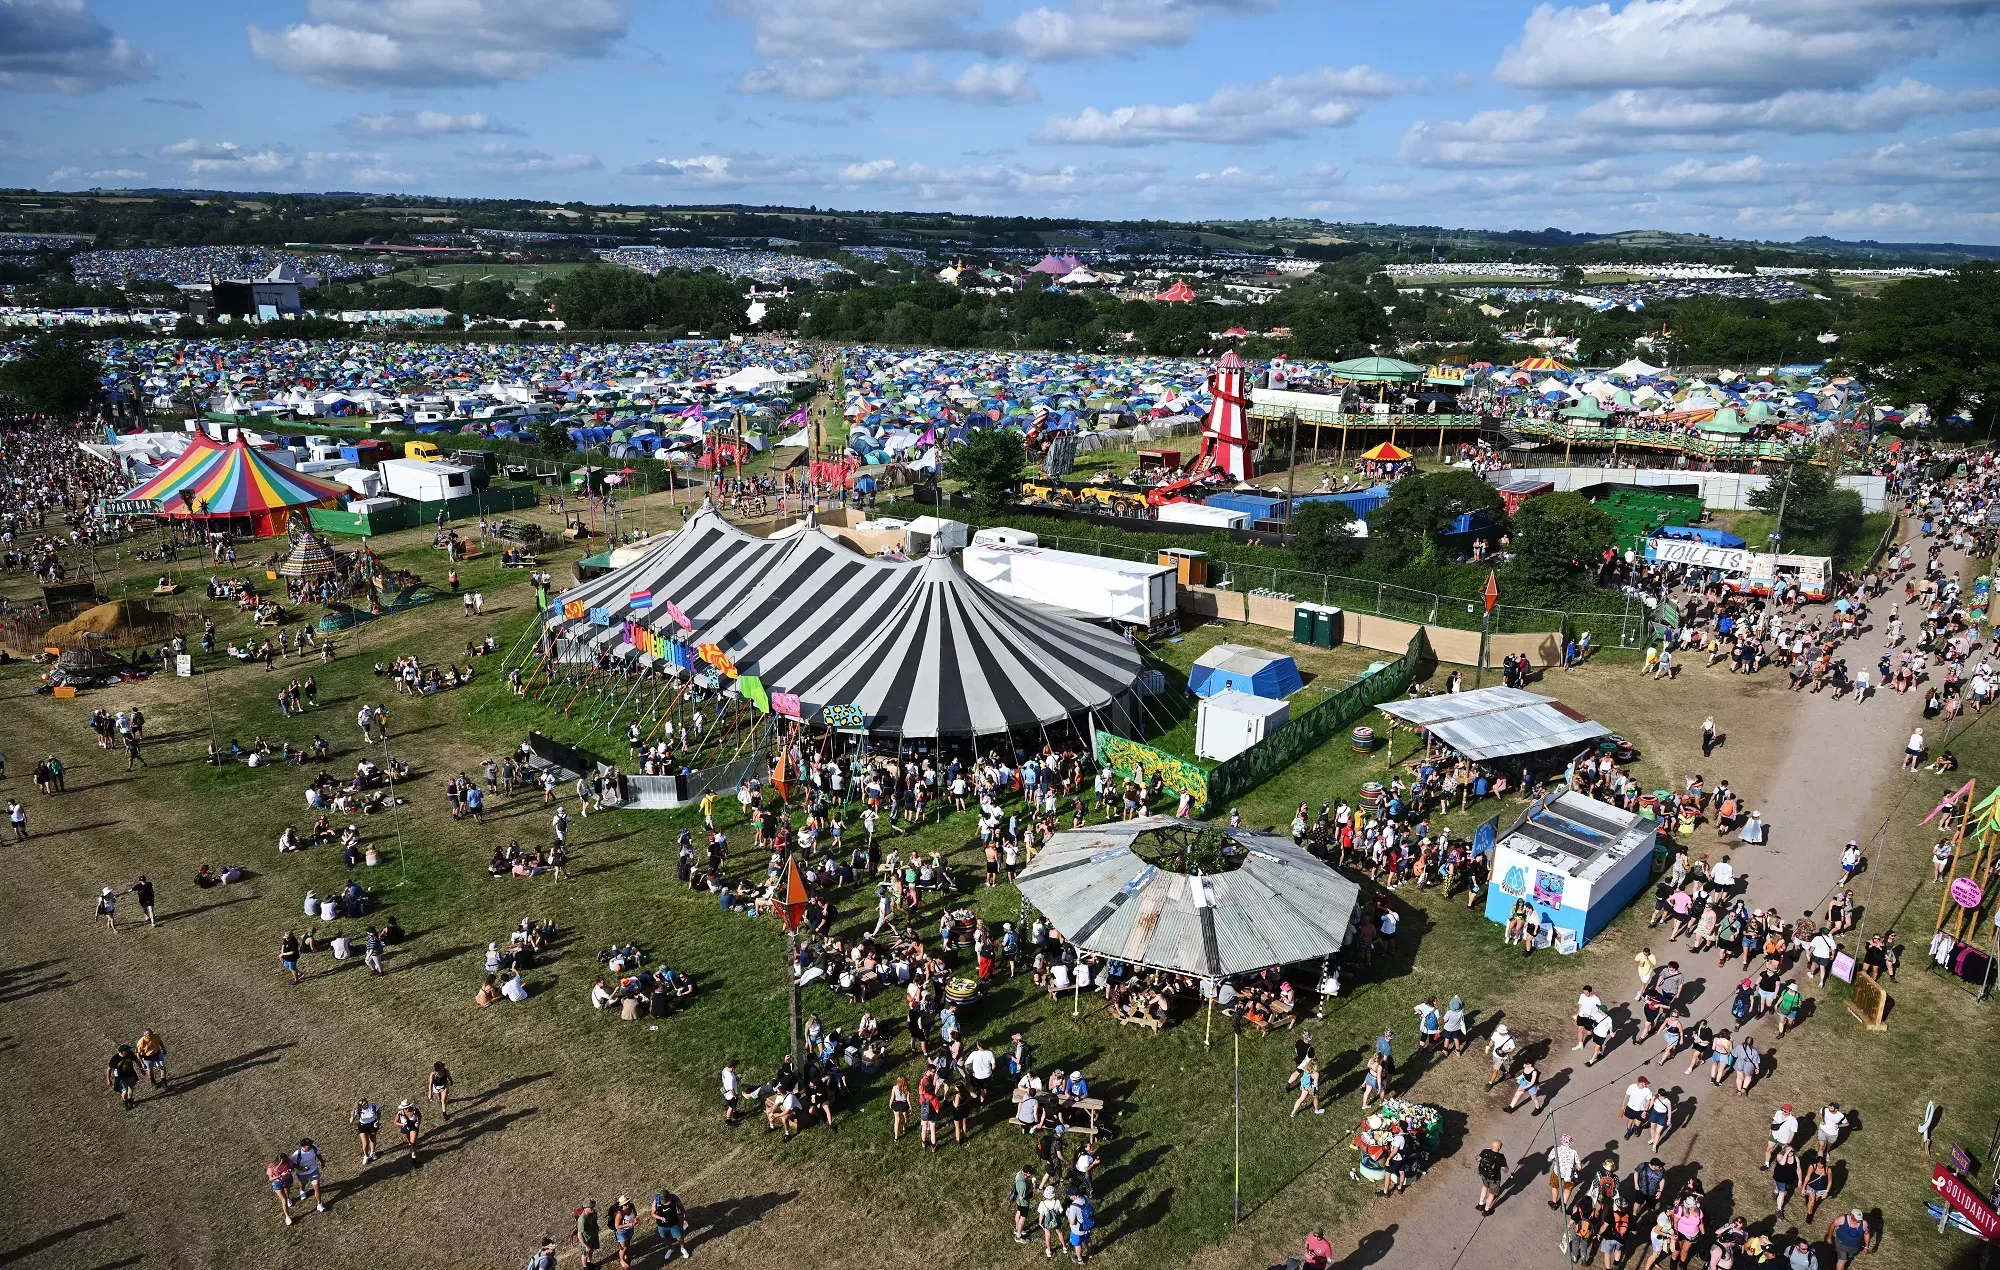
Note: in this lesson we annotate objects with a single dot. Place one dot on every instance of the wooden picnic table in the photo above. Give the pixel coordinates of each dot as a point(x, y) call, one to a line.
point(1089, 1106)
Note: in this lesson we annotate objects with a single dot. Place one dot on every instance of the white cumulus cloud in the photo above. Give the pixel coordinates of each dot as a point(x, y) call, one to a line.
point(1279, 107)
point(419, 44)
point(428, 123)
point(60, 46)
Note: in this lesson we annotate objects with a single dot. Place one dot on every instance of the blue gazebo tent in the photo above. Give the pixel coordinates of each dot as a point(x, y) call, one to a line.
point(1236, 667)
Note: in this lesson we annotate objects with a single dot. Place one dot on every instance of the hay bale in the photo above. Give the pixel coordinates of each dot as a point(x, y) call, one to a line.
point(113, 625)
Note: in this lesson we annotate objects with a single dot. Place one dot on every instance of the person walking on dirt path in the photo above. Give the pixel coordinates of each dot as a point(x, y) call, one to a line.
point(1784, 1128)
point(440, 1088)
point(409, 1123)
point(367, 1121)
point(152, 1052)
point(121, 1074)
point(624, 1224)
point(1492, 1172)
point(142, 892)
point(279, 1173)
point(107, 908)
point(1565, 1165)
point(17, 816)
point(1708, 736)
point(670, 1224)
point(586, 1236)
point(288, 957)
point(305, 1164)
point(1913, 752)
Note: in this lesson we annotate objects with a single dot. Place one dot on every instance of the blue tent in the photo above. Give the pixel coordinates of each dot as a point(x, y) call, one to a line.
point(1252, 670)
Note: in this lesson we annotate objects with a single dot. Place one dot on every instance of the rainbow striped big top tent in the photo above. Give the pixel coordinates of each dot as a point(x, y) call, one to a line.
point(234, 487)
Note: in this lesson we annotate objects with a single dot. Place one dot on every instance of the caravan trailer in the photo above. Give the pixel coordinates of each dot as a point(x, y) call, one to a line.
point(1749, 572)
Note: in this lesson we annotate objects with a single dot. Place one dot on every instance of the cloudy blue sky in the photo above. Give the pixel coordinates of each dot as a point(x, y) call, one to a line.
point(1770, 118)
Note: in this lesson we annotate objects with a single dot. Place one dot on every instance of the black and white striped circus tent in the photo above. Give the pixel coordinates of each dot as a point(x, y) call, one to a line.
point(918, 647)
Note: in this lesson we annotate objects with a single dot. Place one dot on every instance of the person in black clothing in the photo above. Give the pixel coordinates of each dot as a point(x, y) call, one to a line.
point(122, 1074)
point(1492, 1169)
point(1302, 1049)
point(142, 891)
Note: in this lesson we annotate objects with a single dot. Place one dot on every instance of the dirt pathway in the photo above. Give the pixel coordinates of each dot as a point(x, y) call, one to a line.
point(1836, 779)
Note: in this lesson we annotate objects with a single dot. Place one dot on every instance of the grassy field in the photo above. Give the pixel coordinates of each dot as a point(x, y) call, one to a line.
point(561, 1103)
point(523, 277)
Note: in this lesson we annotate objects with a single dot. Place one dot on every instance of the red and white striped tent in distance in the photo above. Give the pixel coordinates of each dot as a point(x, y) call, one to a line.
point(1225, 437)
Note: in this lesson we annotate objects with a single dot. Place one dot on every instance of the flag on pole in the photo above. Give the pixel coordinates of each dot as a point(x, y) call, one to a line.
point(640, 601)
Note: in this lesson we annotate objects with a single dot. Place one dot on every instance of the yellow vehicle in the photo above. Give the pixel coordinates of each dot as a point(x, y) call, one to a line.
point(422, 451)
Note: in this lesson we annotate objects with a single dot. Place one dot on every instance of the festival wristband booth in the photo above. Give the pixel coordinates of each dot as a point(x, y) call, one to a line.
point(1575, 861)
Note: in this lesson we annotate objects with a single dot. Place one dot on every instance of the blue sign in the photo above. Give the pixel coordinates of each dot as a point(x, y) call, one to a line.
point(1486, 837)
point(600, 617)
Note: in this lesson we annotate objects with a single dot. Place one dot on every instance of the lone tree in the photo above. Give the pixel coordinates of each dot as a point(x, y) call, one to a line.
point(1557, 535)
point(1421, 509)
point(988, 464)
point(57, 374)
point(1321, 539)
point(552, 439)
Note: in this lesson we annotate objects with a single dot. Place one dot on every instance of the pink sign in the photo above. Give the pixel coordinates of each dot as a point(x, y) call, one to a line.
point(680, 618)
point(1966, 893)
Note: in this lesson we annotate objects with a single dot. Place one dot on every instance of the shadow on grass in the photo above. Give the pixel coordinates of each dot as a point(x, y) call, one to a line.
point(56, 1238)
point(720, 1218)
point(205, 908)
point(225, 1068)
point(33, 980)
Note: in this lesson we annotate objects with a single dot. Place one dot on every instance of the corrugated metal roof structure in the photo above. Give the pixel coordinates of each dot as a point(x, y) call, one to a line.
point(1497, 722)
point(1281, 906)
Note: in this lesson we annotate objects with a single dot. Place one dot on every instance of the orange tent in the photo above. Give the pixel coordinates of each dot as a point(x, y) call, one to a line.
point(1179, 293)
point(1387, 452)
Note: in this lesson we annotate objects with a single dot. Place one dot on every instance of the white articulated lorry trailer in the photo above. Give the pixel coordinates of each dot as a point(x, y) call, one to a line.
point(1108, 589)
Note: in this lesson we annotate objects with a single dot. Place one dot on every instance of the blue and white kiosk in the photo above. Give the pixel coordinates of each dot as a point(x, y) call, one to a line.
point(1576, 861)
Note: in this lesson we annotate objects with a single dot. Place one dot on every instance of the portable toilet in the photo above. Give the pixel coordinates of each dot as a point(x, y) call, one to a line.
point(1316, 624)
point(1191, 565)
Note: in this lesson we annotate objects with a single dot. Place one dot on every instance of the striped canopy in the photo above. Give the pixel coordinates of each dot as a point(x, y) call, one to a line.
point(233, 480)
point(920, 648)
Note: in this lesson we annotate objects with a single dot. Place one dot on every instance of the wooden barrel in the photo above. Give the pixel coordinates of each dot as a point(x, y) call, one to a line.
point(1364, 740)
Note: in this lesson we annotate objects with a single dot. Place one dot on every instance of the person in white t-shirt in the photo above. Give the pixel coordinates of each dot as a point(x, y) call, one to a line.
point(1638, 1101)
point(980, 1062)
point(1784, 1127)
point(1589, 1006)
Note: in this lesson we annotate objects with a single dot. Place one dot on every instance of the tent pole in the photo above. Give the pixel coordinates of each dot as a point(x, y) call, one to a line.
point(1208, 1022)
point(1236, 1098)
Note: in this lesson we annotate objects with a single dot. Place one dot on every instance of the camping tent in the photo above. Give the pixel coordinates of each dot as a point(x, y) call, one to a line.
point(1633, 368)
point(920, 649)
point(1243, 669)
point(236, 487)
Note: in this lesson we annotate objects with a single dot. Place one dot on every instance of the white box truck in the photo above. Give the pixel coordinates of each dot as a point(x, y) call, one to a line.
point(1127, 591)
point(425, 482)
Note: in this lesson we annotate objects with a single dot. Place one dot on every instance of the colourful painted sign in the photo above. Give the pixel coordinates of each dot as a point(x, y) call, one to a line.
point(680, 618)
point(573, 610)
point(786, 705)
point(1966, 893)
point(851, 717)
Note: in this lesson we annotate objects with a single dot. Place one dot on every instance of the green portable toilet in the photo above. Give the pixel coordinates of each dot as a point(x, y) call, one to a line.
point(1302, 624)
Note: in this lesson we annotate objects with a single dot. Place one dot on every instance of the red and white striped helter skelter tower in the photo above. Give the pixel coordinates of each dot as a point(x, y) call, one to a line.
point(1225, 438)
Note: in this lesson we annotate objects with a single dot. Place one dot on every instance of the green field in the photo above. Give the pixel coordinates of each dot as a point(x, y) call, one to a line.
point(523, 277)
point(561, 1103)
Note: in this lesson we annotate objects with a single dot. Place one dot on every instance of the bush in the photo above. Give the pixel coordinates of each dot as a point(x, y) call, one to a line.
point(1422, 508)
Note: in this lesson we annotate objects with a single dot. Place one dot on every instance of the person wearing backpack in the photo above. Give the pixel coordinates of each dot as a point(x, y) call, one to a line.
point(1492, 1170)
